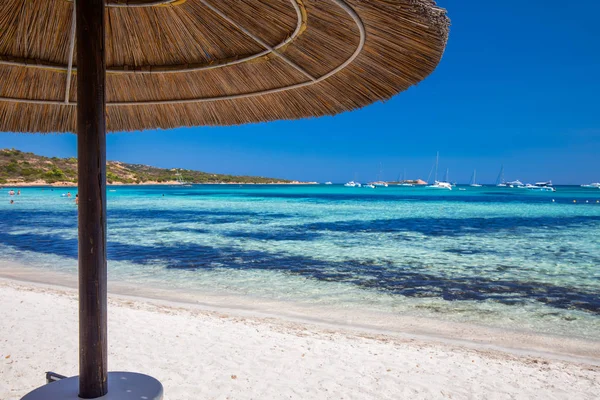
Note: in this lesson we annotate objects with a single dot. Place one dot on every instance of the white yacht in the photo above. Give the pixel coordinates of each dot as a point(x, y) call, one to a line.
point(517, 184)
point(473, 179)
point(353, 183)
point(539, 188)
point(328, 183)
point(595, 185)
point(369, 185)
point(379, 183)
point(439, 184)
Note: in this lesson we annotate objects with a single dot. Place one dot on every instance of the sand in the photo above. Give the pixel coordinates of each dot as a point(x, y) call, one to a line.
point(202, 354)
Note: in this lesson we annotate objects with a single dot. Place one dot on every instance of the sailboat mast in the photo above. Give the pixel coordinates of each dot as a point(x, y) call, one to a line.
point(437, 159)
point(500, 176)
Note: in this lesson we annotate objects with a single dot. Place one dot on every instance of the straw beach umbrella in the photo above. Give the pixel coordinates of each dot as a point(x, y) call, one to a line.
point(121, 65)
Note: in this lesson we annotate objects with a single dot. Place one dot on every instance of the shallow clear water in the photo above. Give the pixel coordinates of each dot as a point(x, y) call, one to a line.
point(494, 256)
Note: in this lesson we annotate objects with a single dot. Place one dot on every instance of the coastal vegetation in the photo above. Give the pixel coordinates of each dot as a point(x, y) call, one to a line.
point(21, 167)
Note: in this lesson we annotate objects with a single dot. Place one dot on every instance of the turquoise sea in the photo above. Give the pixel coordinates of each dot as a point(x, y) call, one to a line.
point(498, 257)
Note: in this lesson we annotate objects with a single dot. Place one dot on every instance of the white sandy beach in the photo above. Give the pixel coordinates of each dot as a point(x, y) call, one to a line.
point(200, 354)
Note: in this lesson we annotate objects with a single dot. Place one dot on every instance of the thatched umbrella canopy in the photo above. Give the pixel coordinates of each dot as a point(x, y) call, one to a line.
point(123, 65)
point(173, 63)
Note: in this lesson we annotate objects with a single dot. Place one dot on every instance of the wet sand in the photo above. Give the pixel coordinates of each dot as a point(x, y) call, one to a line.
point(201, 351)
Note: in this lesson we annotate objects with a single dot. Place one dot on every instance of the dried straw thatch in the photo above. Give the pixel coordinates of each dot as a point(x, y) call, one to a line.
point(216, 62)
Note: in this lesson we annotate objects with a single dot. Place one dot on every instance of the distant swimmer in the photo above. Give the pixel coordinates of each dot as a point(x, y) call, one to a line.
point(18, 192)
point(11, 193)
point(68, 194)
point(77, 198)
point(12, 201)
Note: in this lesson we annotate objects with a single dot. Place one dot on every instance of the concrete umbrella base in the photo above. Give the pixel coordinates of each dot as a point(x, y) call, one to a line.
point(121, 386)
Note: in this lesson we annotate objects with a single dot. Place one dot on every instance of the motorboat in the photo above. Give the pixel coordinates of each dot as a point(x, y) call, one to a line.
point(539, 188)
point(592, 186)
point(513, 184)
point(379, 183)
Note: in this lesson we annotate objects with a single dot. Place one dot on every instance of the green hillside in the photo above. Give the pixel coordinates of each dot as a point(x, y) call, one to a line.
point(19, 167)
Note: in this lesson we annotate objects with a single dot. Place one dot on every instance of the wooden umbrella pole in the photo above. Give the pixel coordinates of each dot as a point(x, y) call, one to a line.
point(91, 150)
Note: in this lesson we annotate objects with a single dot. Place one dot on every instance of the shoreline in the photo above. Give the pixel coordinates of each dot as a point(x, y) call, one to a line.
point(148, 183)
point(258, 357)
point(467, 335)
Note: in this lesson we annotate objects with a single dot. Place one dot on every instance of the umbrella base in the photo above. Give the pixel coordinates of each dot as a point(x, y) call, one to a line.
point(121, 386)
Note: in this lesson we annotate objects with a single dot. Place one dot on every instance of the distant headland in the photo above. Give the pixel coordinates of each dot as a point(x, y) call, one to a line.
point(18, 168)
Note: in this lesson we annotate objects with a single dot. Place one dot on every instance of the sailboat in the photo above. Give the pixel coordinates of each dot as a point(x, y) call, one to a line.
point(403, 182)
point(380, 182)
point(447, 178)
point(500, 182)
point(181, 181)
point(437, 184)
point(473, 180)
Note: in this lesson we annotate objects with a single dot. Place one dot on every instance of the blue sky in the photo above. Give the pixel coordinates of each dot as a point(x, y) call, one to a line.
point(519, 85)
